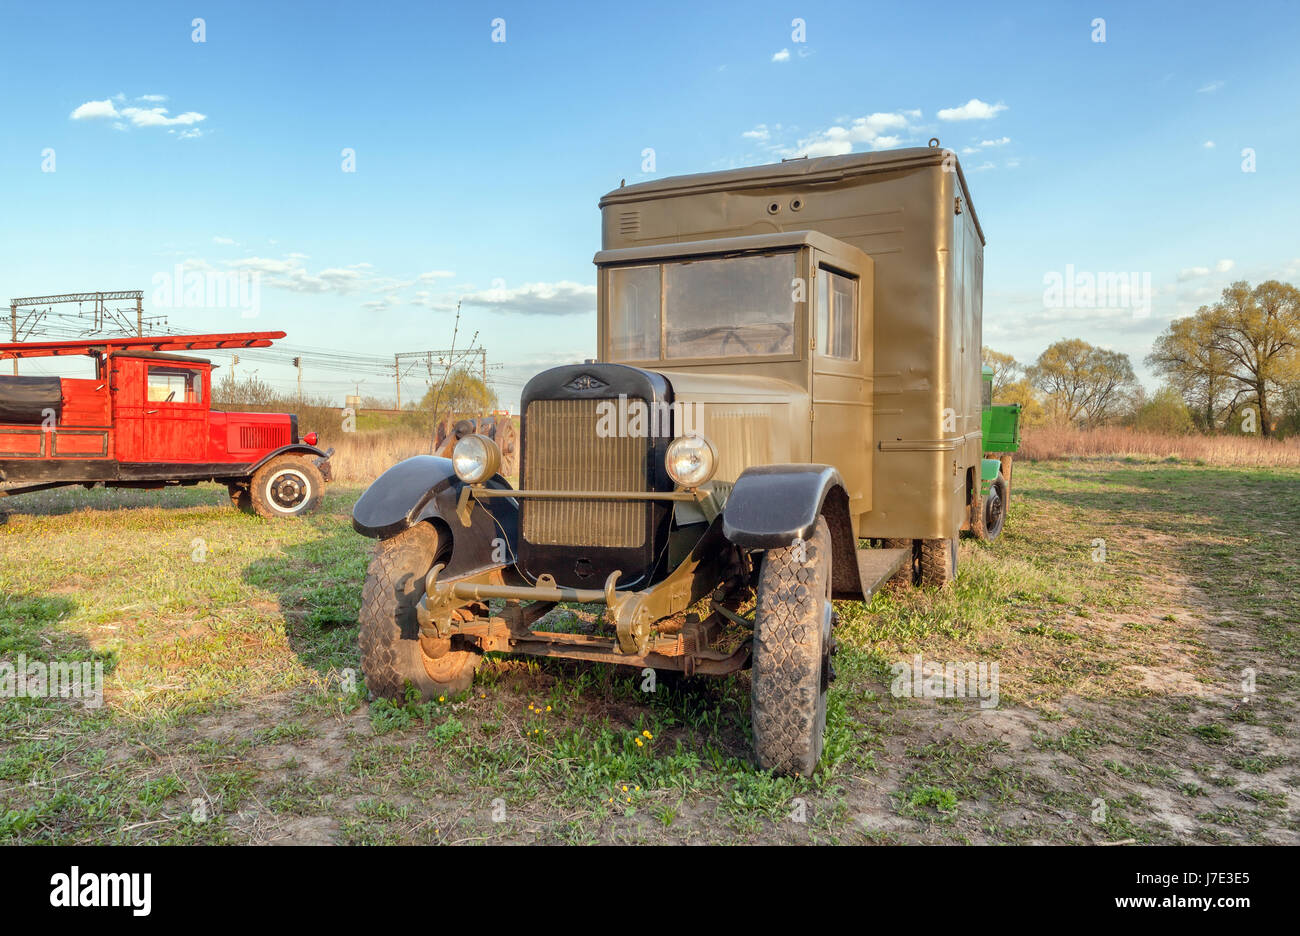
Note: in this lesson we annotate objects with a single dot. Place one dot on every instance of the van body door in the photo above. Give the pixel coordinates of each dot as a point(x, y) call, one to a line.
point(840, 334)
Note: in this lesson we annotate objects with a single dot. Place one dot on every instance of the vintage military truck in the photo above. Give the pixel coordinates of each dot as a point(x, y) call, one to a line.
point(141, 418)
point(1000, 428)
point(788, 371)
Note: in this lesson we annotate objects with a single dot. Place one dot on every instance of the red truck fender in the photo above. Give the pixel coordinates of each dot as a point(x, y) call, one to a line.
point(298, 448)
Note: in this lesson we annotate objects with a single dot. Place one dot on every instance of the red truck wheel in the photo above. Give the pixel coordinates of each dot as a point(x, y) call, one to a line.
point(288, 486)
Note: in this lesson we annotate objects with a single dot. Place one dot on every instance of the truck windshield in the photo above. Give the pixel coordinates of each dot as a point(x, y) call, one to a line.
point(725, 307)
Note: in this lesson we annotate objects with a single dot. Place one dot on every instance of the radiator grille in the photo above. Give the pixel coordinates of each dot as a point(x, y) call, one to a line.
point(562, 452)
point(263, 437)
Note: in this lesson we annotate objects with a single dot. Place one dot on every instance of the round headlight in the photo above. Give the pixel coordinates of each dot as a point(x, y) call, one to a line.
point(475, 459)
point(691, 460)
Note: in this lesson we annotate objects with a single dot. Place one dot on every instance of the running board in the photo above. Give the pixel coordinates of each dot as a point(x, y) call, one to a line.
point(877, 566)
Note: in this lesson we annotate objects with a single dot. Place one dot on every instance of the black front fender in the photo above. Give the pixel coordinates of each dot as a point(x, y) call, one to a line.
point(773, 505)
point(426, 488)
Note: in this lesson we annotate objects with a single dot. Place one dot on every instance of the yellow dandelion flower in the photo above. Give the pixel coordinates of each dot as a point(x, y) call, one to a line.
point(625, 788)
point(442, 698)
point(548, 708)
point(640, 743)
point(647, 734)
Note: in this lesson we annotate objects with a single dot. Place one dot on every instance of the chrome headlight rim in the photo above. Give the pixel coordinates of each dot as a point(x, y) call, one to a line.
point(475, 458)
point(702, 447)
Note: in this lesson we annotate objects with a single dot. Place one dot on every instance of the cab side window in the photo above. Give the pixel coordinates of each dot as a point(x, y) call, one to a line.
point(837, 315)
point(175, 385)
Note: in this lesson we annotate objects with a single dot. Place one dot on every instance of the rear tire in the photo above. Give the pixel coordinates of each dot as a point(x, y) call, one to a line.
point(793, 644)
point(905, 577)
point(993, 511)
point(393, 654)
point(288, 486)
point(240, 499)
point(938, 561)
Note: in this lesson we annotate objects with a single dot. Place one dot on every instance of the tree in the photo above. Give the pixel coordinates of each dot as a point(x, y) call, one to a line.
point(1258, 333)
point(1031, 406)
point(461, 394)
point(1165, 413)
point(250, 391)
point(1006, 370)
point(1186, 355)
point(1082, 383)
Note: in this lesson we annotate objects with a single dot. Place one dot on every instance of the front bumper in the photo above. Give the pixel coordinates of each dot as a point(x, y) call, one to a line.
point(711, 562)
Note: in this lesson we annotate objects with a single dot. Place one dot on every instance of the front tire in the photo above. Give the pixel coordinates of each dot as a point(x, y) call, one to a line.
point(393, 653)
point(288, 486)
point(793, 644)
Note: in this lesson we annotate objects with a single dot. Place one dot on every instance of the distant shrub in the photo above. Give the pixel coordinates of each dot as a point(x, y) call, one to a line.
point(1165, 413)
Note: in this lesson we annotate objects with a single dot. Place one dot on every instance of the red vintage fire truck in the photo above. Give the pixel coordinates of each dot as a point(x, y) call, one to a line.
point(142, 420)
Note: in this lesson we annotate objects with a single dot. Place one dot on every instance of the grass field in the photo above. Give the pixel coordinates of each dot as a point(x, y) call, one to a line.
point(1128, 606)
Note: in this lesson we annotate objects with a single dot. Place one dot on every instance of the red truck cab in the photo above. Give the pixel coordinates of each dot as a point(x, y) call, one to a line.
point(143, 419)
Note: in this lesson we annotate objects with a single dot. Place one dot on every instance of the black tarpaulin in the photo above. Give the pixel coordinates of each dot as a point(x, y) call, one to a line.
point(29, 400)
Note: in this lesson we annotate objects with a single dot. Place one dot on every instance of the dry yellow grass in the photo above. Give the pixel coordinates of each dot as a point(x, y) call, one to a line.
point(1047, 442)
point(361, 457)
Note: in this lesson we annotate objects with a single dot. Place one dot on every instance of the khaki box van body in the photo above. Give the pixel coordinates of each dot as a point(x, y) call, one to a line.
point(911, 440)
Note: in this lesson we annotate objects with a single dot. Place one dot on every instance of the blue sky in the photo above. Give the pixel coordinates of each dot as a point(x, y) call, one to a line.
point(479, 163)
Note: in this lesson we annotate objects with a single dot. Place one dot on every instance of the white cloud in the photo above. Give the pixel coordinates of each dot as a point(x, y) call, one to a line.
point(760, 133)
point(974, 109)
point(1210, 88)
point(986, 144)
point(838, 140)
point(290, 274)
point(1208, 144)
point(436, 274)
point(157, 117)
point(152, 98)
point(139, 116)
point(782, 56)
point(1199, 272)
point(224, 240)
point(560, 298)
point(93, 109)
point(192, 134)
